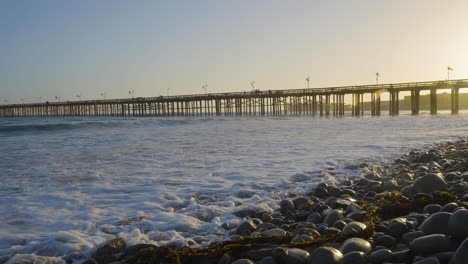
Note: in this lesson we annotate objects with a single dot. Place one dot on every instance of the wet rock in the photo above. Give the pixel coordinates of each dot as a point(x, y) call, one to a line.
point(436, 223)
point(391, 185)
point(273, 232)
point(386, 241)
point(325, 255)
point(243, 261)
point(354, 228)
point(267, 260)
point(290, 255)
point(245, 228)
point(402, 256)
point(340, 224)
point(461, 255)
point(449, 207)
point(225, 259)
point(135, 249)
point(355, 244)
point(305, 206)
point(430, 260)
point(430, 244)
point(354, 257)
point(266, 217)
point(334, 191)
point(379, 256)
point(314, 218)
point(410, 236)
point(286, 205)
point(458, 224)
point(432, 208)
point(429, 183)
point(106, 253)
point(332, 230)
point(397, 228)
point(333, 216)
point(299, 200)
point(321, 192)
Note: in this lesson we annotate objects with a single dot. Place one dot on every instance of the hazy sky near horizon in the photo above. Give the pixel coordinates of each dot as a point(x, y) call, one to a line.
point(61, 48)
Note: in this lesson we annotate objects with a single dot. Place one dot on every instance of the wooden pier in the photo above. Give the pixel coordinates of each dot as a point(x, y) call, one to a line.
point(311, 101)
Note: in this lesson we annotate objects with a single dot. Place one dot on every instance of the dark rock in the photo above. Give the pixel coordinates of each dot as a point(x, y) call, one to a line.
point(226, 226)
point(461, 256)
point(290, 255)
point(325, 255)
point(334, 191)
point(286, 205)
point(402, 256)
point(354, 257)
point(243, 261)
point(379, 256)
point(273, 232)
point(458, 224)
point(333, 216)
point(245, 228)
point(357, 216)
point(449, 207)
point(410, 236)
point(397, 228)
point(444, 257)
point(135, 249)
point(267, 260)
point(340, 224)
point(332, 230)
point(353, 228)
point(430, 244)
point(266, 217)
point(225, 259)
point(391, 185)
point(429, 183)
point(432, 208)
point(89, 261)
point(299, 200)
point(385, 240)
point(430, 260)
point(321, 192)
point(436, 223)
point(355, 244)
point(105, 253)
point(314, 218)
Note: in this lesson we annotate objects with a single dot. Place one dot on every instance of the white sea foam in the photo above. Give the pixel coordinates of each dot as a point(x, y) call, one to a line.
point(70, 184)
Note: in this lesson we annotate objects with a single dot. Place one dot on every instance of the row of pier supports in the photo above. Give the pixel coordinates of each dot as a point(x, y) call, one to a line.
point(315, 104)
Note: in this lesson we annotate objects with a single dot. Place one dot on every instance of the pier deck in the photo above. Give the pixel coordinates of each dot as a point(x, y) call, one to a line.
point(308, 101)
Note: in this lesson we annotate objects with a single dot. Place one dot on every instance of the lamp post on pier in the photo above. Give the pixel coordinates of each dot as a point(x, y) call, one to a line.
point(252, 83)
point(205, 86)
point(167, 91)
point(307, 80)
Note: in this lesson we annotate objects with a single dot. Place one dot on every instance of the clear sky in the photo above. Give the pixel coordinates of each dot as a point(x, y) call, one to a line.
point(62, 48)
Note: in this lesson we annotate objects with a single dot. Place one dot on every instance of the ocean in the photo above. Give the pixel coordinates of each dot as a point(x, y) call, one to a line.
point(68, 184)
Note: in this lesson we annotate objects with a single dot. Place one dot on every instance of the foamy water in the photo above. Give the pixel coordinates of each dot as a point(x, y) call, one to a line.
point(69, 184)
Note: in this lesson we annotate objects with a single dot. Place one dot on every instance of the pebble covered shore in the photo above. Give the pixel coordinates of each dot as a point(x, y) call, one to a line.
point(412, 211)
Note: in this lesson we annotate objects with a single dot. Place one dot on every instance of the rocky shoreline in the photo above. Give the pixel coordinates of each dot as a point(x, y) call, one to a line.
point(412, 211)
